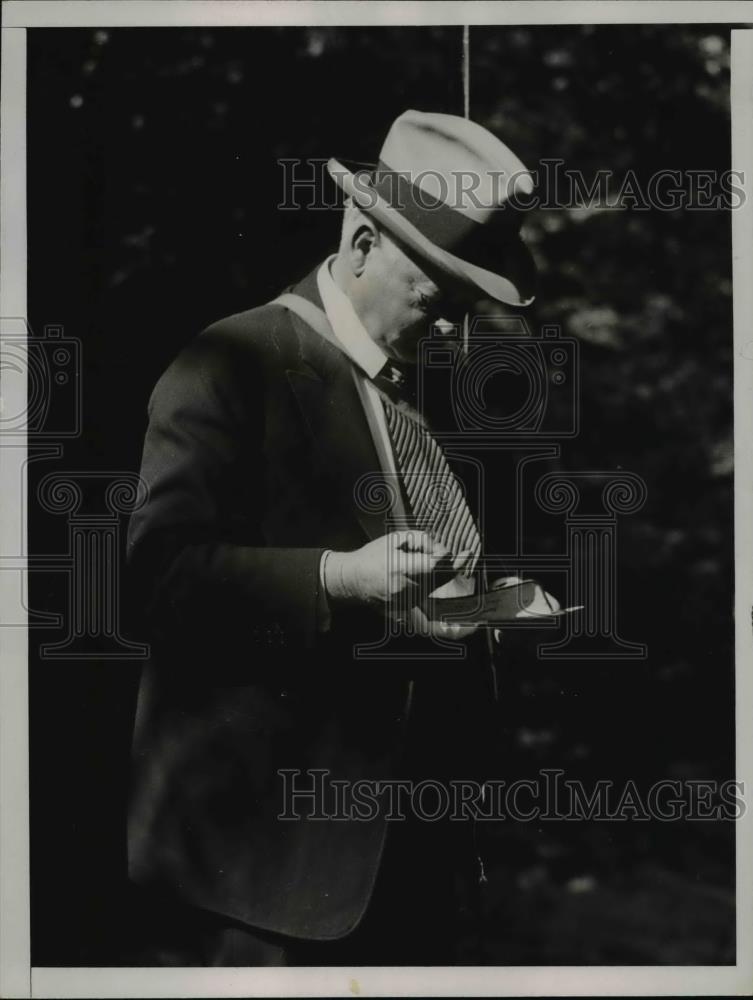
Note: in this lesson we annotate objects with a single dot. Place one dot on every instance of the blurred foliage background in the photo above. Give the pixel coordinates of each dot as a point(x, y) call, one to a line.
point(154, 181)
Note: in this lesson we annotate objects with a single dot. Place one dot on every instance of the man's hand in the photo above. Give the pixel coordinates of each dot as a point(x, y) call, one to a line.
point(394, 570)
point(392, 574)
point(438, 630)
point(458, 586)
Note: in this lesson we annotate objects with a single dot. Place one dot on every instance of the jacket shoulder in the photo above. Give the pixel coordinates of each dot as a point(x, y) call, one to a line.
point(265, 329)
point(230, 359)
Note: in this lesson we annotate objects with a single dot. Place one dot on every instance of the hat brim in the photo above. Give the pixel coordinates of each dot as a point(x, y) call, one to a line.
point(503, 288)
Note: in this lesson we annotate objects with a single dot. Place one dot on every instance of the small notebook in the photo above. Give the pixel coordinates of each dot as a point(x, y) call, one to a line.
point(498, 605)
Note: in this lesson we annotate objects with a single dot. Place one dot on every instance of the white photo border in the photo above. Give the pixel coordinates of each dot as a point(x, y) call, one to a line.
point(17, 978)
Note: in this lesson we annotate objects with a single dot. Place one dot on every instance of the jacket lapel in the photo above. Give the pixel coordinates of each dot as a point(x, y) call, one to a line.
point(327, 395)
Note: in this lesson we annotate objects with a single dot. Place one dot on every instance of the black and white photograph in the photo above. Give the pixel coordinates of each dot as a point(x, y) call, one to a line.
point(375, 433)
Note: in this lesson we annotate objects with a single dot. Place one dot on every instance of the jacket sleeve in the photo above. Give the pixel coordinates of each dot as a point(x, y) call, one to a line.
point(193, 580)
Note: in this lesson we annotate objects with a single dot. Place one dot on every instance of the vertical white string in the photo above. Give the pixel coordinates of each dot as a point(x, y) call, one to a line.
point(466, 71)
point(466, 112)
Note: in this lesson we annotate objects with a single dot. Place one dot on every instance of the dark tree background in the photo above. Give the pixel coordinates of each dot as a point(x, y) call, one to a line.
point(153, 191)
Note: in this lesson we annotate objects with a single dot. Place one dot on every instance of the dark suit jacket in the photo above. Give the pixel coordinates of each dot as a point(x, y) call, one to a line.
point(256, 437)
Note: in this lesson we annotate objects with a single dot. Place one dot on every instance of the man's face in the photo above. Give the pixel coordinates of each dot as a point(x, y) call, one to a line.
point(406, 300)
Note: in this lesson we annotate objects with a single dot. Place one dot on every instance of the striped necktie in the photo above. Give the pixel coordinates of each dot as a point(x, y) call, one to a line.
point(437, 499)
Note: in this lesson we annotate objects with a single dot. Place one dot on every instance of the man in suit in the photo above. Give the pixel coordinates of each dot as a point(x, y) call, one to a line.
point(265, 565)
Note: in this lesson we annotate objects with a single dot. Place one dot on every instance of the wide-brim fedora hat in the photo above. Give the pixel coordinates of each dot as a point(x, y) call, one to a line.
point(454, 194)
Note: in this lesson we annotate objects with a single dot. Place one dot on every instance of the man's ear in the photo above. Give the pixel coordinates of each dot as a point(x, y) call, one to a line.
point(365, 237)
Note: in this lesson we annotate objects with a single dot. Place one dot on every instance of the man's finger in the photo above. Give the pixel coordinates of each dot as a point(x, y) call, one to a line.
point(419, 563)
point(417, 541)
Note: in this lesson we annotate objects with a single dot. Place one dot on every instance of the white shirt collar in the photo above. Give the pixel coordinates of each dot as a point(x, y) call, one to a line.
point(347, 327)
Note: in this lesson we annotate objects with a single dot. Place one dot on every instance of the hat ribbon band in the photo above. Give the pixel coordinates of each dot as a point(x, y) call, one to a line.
point(444, 226)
